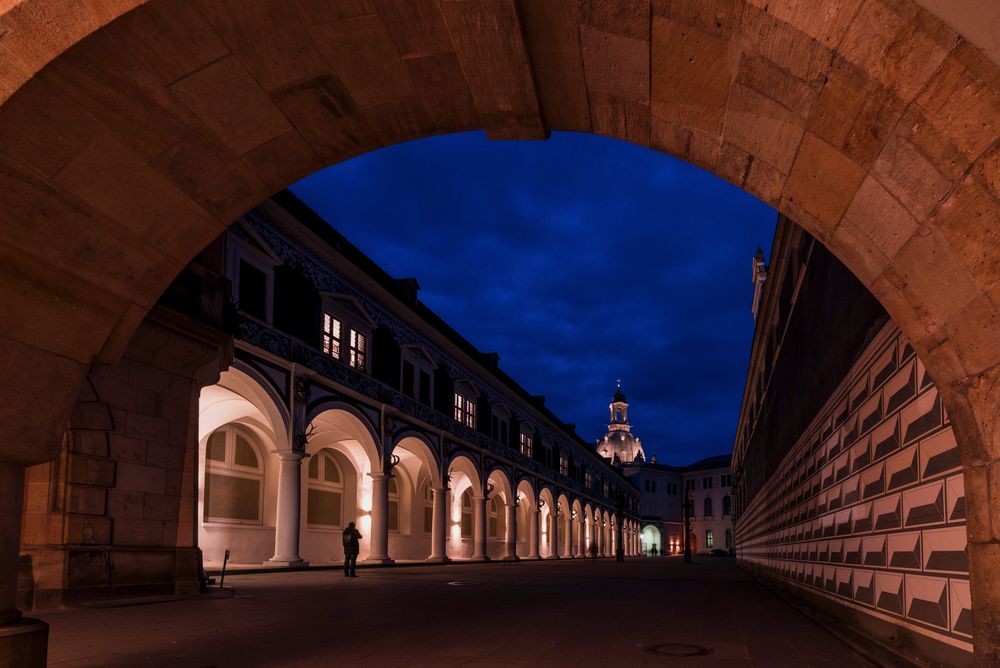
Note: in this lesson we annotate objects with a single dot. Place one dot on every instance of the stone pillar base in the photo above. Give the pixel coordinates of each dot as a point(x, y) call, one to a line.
point(277, 561)
point(24, 644)
point(512, 557)
point(382, 561)
point(438, 560)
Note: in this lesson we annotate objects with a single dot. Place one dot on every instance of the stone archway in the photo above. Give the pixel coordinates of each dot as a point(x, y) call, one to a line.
point(130, 136)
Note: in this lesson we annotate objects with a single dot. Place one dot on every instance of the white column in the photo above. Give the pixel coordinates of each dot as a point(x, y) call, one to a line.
point(439, 525)
point(510, 540)
point(380, 519)
point(570, 538)
point(289, 510)
point(479, 528)
point(534, 522)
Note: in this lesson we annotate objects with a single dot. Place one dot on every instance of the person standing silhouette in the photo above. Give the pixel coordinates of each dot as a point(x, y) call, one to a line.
point(352, 547)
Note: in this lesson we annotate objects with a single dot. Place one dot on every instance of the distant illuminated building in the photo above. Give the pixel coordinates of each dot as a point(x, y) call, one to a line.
point(706, 483)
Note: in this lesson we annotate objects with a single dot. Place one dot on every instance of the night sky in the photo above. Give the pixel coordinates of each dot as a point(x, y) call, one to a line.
point(580, 260)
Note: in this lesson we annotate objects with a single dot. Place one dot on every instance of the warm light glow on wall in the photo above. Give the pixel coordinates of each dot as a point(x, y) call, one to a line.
point(365, 495)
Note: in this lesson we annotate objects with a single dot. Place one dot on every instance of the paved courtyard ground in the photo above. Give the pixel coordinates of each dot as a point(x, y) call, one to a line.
point(526, 614)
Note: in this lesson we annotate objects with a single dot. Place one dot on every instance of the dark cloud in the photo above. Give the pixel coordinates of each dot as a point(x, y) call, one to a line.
point(580, 260)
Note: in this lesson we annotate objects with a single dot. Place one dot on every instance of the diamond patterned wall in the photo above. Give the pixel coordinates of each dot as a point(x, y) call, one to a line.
point(868, 507)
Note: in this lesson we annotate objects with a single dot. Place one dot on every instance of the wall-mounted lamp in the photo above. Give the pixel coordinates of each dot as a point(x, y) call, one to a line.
point(541, 503)
point(489, 489)
point(573, 515)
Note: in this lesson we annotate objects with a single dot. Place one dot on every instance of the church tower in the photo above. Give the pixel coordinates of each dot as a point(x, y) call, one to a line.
point(619, 444)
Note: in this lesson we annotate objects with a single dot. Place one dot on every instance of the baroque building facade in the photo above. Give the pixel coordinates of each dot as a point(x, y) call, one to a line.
point(705, 485)
point(284, 386)
point(848, 483)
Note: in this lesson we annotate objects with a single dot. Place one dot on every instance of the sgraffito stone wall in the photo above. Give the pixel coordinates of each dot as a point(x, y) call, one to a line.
point(867, 509)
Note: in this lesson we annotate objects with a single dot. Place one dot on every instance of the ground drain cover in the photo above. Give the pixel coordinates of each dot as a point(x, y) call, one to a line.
point(675, 649)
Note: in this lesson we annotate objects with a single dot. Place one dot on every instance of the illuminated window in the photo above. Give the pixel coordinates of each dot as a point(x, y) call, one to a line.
point(709, 539)
point(708, 507)
point(359, 350)
point(727, 506)
point(428, 508)
point(332, 328)
point(527, 447)
point(588, 479)
point(393, 504)
point(234, 477)
point(563, 464)
point(466, 514)
point(325, 498)
point(465, 410)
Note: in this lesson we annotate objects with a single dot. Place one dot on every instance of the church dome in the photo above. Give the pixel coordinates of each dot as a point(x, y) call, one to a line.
point(619, 444)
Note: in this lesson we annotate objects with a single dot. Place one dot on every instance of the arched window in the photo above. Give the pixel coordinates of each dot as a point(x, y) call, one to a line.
point(708, 506)
point(709, 539)
point(393, 504)
point(727, 506)
point(428, 508)
point(324, 501)
point(234, 476)
point(497, 518)
point(466, 514)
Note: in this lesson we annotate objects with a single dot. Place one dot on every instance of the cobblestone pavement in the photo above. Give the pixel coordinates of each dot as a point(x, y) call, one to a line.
point(577, 613)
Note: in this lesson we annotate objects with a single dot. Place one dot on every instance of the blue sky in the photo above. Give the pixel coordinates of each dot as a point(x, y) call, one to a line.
point(580, 260)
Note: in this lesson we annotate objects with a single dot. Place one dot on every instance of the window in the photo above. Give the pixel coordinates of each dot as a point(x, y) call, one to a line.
point(428, 508)
point(332, 328)
point(324, 501)
point(708, 507)
point(650, 486)
point(709, 539)
point(726, 480)
point(672, 488)
point(252, 297)
point(359, 349)
point(727, 506)
point(466, 523)
point(588, 479)
point(465, 410)
point(706, 482)
point(497, 518)
point(424, 388)
point(563, 464)
point(729, 539)
point(234, 477)
point(393, 504)
point(415, 374)
point(527, 447)
point(408, 385)
point(689, 484)
point(500, 430)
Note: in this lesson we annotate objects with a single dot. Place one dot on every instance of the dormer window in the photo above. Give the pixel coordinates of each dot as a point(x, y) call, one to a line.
point(346, 331)
point(250, 266)
point(359, 349)
point(588, 479)
point(465, 410)
point(527, 445)
point(417, 374)
point(563, 464)
point(465, 403)
point(332, 329)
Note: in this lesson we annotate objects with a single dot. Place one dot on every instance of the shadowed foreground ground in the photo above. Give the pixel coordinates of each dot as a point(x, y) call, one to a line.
point(528, 614)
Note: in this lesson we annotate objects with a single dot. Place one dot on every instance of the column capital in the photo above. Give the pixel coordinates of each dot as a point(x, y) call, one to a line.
point(290, 455)
point(379, 476)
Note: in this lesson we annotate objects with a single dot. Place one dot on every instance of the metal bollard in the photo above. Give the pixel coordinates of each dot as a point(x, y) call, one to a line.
point(225, 560)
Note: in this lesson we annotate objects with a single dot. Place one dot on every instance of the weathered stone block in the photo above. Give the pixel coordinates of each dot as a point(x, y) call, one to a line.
point(127, 450)
point(762, 127)
point(910, 176)
point(160, 507)
point(84, 530)
point(86, 499)
point(616, 65)
point(138, 532)
point(87, 568)
point(690, 76)
point(967, 220)
point(89, 470)
point(141, 567)
point(823, 181)
point(141, 478)
point(89, 443)
point(125, 504)
point(145, 426)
